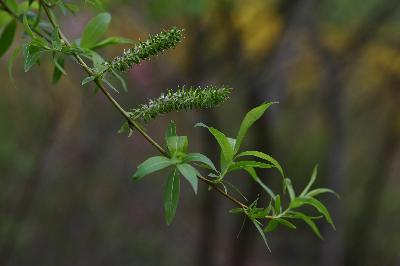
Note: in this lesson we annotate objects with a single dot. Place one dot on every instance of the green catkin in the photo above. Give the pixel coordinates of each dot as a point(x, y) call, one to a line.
point(145, 49)
point(181, 99)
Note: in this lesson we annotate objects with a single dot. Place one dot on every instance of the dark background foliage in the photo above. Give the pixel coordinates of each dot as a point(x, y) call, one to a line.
point(334, 66)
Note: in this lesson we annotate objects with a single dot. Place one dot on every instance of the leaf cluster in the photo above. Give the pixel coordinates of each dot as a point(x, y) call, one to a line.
point(265, 219)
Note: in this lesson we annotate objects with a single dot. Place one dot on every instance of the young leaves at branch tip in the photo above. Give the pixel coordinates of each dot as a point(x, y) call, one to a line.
point(143, 50)
point(230, 147)
point(181, 99)
point(180, 162)
point(274, 215)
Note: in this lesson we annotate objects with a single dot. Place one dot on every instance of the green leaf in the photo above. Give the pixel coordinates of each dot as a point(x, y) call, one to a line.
point(252, 116)
point(271, 226)
point(255, 177)
point(56, 40)
point(27, 27)
point(171, 130)
point(277, 204)
point(263, 156)
point(223, 142)
point(32, 54)
point(11, 63)
point(244, 164)
point(259, 229)
point(96, 4)
point(12, 4)
point(198, 157)
point(232, 142)
point(58, 69)
point(112, 41)
point(73, 8)
point(109, 84)
point(285, 223)
point(237, 210)
point(298, 202)
point(318, 191)
point(7, 36)
point(88, 79)
point(125, 128)
point(311, 182)
point(151, 165)
point(177, 144)
point(171, 195)
point(287, 185)
point(190, 173)
point(120, 79)
point(95, 28)
point(308, 221)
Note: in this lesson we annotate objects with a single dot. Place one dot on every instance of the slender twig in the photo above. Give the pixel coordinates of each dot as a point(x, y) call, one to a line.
point(132, 123)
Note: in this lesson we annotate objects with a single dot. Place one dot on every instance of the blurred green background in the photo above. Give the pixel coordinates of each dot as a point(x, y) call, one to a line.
point(334, 65)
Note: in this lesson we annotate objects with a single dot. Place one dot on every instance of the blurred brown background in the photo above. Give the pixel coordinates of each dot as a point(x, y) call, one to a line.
point(334, 65)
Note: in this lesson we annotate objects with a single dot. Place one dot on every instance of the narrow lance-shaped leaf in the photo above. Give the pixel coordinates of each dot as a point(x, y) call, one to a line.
point(287, 185)
point(263, 156)
point(285, 223)
point(7, 37)
point(27, 27)
point(244, 164)
point(260, 230)
point(58, 69)
point(88, 79)
point(316, 204)
point(255, 177)
point(120, 79)
point(251, 117)
point(171, 195)
point(11, 63)
point(198, 157)
point(308, 221)
point(318, 191)
point(190, 174)
point(311, 182)
point(95, 28)
point(151, 165)
point(277, 205)
point(223, 142)
point(271, 226)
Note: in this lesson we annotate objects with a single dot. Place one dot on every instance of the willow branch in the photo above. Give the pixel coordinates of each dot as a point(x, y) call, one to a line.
point(132, 123)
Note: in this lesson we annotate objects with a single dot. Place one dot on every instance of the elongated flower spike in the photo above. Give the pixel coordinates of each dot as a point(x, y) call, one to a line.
point(143, 50)
point(181, 99)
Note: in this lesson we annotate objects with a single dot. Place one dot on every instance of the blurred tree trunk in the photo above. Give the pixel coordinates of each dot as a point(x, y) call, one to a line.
point(365, 222)
point(334, 105)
